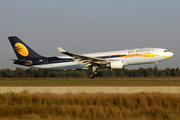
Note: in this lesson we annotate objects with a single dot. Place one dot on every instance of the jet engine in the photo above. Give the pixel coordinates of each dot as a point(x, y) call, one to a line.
point(115, 65)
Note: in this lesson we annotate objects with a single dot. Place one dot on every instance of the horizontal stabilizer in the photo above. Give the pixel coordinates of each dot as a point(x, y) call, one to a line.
point(22, 62)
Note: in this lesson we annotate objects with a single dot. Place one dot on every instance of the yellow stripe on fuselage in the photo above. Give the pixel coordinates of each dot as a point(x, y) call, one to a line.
point(141, 55)
point(166, 56)
point(144, 55)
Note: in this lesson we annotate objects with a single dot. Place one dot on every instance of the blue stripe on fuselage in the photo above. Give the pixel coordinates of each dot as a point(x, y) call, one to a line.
point(50, 60)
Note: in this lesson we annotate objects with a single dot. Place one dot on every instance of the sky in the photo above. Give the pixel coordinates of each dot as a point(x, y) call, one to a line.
point(87, 26)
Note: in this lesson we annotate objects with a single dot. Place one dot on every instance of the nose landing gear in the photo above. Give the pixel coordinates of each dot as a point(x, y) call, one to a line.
point(155, 67)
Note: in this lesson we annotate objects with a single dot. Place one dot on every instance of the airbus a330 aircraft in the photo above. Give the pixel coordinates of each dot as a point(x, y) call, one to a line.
point(94, 61)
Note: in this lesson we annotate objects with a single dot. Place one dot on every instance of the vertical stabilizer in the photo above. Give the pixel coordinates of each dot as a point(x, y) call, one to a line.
point(22, 50)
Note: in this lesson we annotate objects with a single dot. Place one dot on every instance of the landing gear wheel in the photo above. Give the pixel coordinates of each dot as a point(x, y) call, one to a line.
point(155, 67)
point(91, 75)
point(96, 73)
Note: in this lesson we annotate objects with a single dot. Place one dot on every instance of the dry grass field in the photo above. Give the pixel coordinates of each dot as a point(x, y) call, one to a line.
point(109, 81)
point(141, 106)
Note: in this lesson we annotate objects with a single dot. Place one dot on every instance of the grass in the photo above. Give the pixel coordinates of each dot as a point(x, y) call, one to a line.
point(127, 81)
point(141, 106)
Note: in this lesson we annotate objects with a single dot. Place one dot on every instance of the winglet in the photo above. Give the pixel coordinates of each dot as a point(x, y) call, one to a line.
point(61, 50)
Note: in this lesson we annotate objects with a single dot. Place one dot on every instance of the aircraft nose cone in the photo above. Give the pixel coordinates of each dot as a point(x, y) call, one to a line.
point(171, 54)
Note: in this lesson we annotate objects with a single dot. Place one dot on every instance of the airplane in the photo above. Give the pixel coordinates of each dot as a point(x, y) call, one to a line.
point(93, 61)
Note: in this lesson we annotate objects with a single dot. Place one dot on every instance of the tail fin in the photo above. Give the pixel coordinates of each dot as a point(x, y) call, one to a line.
point(22, 50)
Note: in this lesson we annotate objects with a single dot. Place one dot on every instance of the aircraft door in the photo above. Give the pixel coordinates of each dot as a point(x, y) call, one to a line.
point(45, 61)
point(155, 58)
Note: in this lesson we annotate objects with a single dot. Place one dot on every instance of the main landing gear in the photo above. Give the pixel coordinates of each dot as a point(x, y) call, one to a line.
point(94, 73)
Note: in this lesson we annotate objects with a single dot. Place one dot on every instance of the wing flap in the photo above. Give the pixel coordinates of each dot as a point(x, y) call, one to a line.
point(84, 60)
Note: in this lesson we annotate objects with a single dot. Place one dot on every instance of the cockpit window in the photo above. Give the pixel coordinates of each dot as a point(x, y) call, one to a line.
point(166, 50)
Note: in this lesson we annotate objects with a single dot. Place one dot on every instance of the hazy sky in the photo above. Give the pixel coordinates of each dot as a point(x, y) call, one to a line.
point(82, 26)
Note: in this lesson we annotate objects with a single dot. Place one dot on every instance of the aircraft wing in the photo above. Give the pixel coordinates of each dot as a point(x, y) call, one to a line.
point(84, 60)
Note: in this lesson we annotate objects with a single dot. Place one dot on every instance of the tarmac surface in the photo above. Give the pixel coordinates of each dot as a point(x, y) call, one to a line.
point(92, 89)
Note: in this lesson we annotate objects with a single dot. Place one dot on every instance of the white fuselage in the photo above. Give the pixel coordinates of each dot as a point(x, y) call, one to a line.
point(129, 57)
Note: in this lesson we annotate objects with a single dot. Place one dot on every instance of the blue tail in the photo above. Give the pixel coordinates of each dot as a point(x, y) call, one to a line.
point(23, 52)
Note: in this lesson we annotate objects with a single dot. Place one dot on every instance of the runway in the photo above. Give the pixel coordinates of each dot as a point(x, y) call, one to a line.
point(92, 89)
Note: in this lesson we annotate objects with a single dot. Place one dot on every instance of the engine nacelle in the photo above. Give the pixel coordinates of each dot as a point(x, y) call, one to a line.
point(115, 65)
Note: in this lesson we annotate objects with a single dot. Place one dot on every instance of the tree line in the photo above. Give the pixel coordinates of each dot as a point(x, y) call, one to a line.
point(141, 72)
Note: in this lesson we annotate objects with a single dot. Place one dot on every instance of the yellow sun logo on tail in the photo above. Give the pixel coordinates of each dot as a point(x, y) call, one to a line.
point(21, 49)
